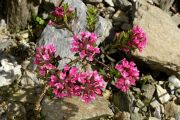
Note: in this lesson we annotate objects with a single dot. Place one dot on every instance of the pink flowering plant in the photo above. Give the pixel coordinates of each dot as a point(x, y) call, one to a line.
point(105, 67)
point(62, 15)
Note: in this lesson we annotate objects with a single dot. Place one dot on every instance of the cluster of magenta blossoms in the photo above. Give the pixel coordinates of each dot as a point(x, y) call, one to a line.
point(129, 75)
point(60, 12)
point(139, 39)
point(85, 45)
point(44, 57)
point(70, 82)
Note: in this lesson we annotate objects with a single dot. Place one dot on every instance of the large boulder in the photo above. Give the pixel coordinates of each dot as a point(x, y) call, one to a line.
point(74, 109)
point(162, 51)
point(62, 38)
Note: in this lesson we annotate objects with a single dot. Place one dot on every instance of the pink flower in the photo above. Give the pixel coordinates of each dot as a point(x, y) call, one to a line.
point(58, 12)
point(129, 75)
point(92, 83)
point(139, 39)
point(84, 45)
point(43, 57)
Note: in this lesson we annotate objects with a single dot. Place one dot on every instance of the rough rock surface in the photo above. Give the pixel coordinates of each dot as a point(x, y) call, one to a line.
point(17, 14)
point(75, 109)
point(62, 38)
point(9, 71)
point(162, 51)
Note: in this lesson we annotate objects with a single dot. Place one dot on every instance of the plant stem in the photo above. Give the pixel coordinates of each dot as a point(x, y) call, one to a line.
point(37, 108)
point(102, 63)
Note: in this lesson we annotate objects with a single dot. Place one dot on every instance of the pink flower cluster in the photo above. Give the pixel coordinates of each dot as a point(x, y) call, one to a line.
point(139, 39)
point(129, 75)
point(60, 11)
point(85, 45)
point(43, 57)
point(69, 82)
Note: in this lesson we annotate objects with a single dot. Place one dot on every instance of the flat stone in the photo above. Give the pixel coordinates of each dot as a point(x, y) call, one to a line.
point(74, 109)
point(155, 103)
point(162, 51)
point(162, 94)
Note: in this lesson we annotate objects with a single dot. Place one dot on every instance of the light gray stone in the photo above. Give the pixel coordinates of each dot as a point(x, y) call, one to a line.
point(74, 109)
point(93, 1)
point(174, 80)
point(148, 91)
point(123, 4)
point(109, 2)
point(9, 71)
point(123, 101)
point(162, 51)
point(162, 94)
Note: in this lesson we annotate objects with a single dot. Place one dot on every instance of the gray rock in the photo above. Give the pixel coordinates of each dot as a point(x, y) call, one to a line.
point(162, 94)
point(174, 80)
point(123, 4)
point(123, 101)
point(2, 24)
point(29, 79)
point(109, 2)
point(148, 91)
point(62, 38)
point(141, 105)
point(9, 71)
point(93, 1)
point(162, 33)
point(126, 26)
point(178, 116)
point(74, 109)
point(154, 103)
point(17, 14)
point(119, 17)
point(157, 112)
point(171, 109)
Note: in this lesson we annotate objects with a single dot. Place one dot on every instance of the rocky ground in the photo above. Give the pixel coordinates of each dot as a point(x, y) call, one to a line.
point(157, 94)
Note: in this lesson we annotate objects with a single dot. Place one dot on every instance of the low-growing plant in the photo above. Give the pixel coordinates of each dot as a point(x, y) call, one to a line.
point(91, 18)
point(83, 81)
